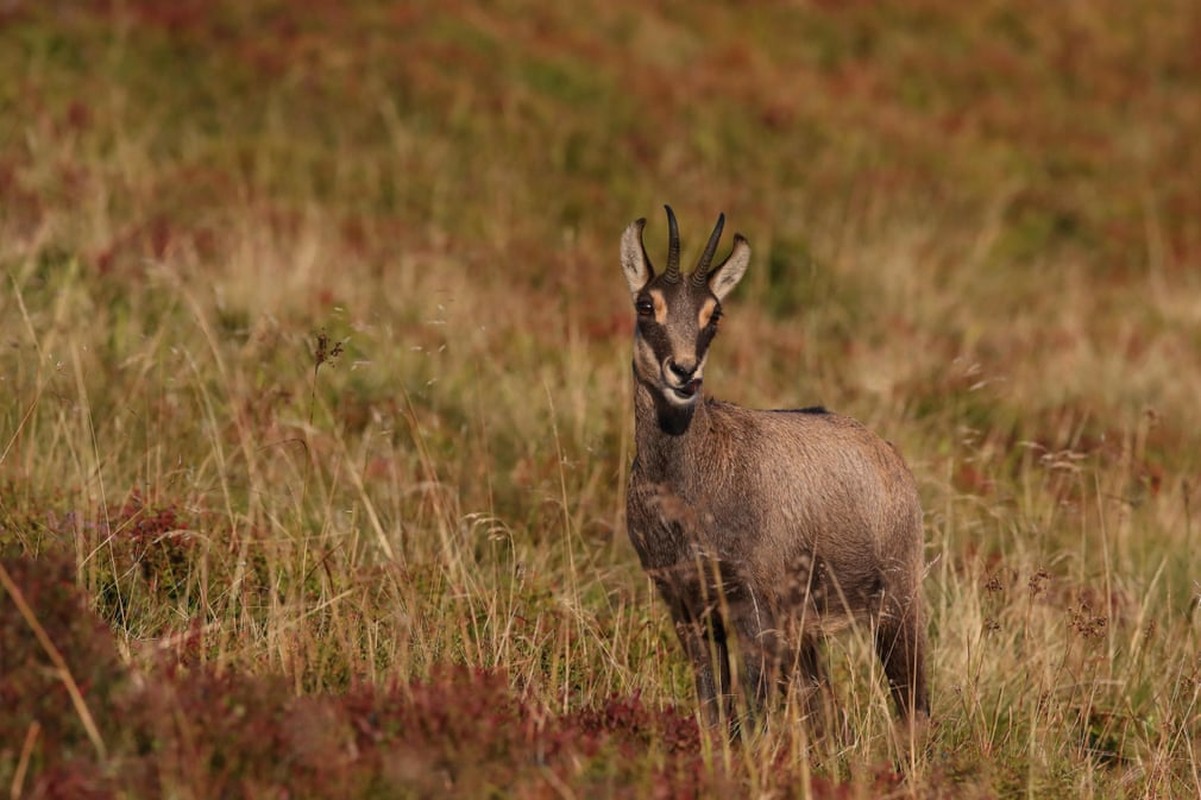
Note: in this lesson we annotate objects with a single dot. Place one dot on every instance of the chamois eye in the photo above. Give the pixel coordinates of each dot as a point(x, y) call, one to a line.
point(715, 317)
point(645, 307)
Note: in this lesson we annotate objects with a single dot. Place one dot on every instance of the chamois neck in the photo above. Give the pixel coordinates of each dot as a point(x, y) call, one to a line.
point(663, 431)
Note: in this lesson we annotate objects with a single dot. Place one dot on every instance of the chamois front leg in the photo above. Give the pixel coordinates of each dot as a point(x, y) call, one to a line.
point(705, 643)
point(702, 633)
point(759, 645)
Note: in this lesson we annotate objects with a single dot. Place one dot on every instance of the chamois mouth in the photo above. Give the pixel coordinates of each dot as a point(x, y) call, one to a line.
point(689, 390)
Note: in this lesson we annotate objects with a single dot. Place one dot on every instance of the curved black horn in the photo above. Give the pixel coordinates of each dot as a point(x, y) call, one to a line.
point(672, 273)
point(701, 273)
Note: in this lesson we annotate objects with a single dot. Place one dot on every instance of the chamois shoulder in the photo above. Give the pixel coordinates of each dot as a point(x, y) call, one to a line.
point(723, 405)
point(814, 418)
point(816, 410)
point(815, 427)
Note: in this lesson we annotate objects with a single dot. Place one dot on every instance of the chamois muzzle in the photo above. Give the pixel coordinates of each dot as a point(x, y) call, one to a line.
point(684, 372)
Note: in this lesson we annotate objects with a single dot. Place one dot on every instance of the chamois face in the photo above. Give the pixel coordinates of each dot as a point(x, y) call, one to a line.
point(677, 315)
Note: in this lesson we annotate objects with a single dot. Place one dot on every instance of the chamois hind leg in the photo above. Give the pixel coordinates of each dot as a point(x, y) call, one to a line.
point(811, 681)
point(901, 645)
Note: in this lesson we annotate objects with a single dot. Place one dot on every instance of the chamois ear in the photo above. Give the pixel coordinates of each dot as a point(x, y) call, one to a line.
point(726, 275)
point(634, 262)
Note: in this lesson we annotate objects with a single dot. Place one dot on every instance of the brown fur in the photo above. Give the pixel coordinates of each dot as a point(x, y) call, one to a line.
point(767, 529)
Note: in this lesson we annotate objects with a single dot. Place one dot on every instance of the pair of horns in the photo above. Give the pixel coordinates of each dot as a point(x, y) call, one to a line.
point(701, 273)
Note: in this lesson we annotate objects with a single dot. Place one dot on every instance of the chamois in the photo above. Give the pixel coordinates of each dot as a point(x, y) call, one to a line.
point(768, 529)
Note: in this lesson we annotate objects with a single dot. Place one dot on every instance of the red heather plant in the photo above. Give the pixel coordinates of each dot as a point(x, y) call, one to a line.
point(59, 675)
point(158, 541)
point(171, 728)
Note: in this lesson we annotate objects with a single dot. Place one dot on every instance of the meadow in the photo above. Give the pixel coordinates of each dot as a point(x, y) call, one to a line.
point(316, 406)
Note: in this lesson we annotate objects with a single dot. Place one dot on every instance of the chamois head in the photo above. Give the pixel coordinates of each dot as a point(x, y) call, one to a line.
point(677, 315)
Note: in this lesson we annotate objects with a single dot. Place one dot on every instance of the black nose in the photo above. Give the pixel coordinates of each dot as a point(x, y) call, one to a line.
point(683, 371)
